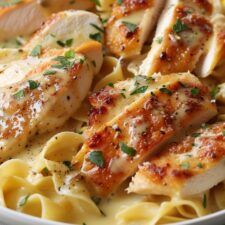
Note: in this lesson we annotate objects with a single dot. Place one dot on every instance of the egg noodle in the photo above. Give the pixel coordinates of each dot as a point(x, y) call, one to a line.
point(39, 181)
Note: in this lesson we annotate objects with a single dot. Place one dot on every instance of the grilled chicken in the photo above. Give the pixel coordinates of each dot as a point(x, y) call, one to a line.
point(40, 94)
point(26, 16)
point(182, 32)
point(213, 63)
point(188, 168)
point(130, 25)
point(167, 106)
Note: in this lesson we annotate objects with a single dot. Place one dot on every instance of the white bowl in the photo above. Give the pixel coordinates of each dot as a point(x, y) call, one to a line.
point(10, 217)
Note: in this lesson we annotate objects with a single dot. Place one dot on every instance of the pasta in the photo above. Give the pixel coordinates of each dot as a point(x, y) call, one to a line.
point(43, 181)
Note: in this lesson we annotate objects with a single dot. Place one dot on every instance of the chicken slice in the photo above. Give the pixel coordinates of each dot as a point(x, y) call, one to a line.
point(65, 29)
point(40, 94)
point(26, 16)
point(188, 168)
point(170, 105)
point(182, 32)
point(130, 25)
point(213, 63)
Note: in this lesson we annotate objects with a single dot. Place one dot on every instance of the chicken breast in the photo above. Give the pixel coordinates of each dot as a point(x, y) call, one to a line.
point(26, 16)
point(66, 29)
point(213, 62)
point(170, 105)
point(188, 168)
point(183, 30)
point(130, 25)
point(40, 94)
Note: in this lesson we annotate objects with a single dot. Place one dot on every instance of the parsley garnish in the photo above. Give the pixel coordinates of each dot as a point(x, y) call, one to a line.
point(159, 40)
point(70, 54)
point(36, 51)
point(130, 26)
point(166, 91)
point(33, 84)
point(45, 171)
point(97, 28)
point(96, 2)
point(119, 2)
point(97, 158)
point(214, 92)
point(139, 90)
point(96, 37)
point(185, 165)
point(49, 72)
point(128, 150)
point(9, 3)
point(195, 91)
point(23, 201)
point(204, 201)
point(223, 132)
point(67, 43)
point(110, 84)
point(18, 95)
point(200, 165)
point(123, 95)
point(196, 134)
point(179, 26)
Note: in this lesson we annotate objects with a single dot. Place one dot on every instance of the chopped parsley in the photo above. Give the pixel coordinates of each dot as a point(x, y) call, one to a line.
point(19, 94)
point(166, 91)
point(185, 165)
point(33, 84)
point(196, 134)
point(195, 91)
point(23, 201)
point(128, 150)
point(45, 171)
point(130, 26)
point(200, 165)
point(67, 43)
point(49, 72)
point(9, 3)
point(159, 40)
point(70, 54)
point(110, 84)
point(119, 2)
point(96, 37)
point(36, 51)
point(139, 90)
point(214, 92)
point(123, 95)
point(223, 132)
point(97, 28)
point(97, 2)
point(179, 26)
point(97, 158)
point(204, 201)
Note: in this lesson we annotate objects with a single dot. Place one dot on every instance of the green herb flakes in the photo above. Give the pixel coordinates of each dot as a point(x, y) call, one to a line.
point(130, 26)
point(36, 51)
point(179, 26)
point(128, 150)
point(23, 200)
point(139, 90)
point(33, 84)
point(97, 158)
point(19, 95)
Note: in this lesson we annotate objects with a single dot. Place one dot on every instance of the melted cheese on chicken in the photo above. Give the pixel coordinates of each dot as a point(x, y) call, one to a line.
point(182, 31)
point(169, 105)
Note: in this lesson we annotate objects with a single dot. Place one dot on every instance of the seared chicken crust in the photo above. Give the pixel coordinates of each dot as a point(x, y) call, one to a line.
point(170, 104)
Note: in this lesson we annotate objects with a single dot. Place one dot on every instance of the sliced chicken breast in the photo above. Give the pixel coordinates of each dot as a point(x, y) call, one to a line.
point(130, 25)
point(213, 62)
point(188, 168)
point(182, 31)
point(26, 16)
point(170, 105)
point(40, 94)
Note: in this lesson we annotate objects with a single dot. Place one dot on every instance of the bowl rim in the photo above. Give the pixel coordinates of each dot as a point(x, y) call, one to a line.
point(12, 216)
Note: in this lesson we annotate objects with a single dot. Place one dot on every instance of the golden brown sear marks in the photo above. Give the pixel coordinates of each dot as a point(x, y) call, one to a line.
point(197, 160)
point(182, 40)
point(113, 153)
